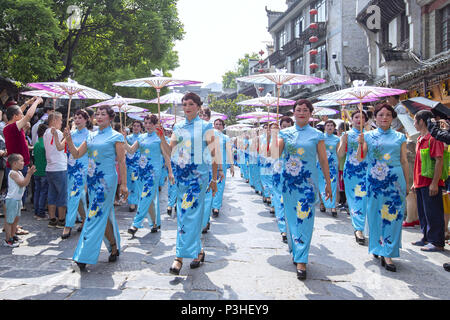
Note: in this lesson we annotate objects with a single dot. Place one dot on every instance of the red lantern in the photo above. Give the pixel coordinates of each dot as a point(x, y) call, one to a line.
point(313, 39)
point(261, 61)
point(313, 12)
point(261, 89)
point(314, 25)
point(313, 52)
point(313, 66)
point(261, 70)
point(261, 52)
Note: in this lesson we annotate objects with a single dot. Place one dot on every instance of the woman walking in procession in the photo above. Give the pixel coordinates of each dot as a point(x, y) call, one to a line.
point(133, 166)
point(355, 176)
point(103, 147)
point(387, 180)
point(300, 146)
point(76, 172)
point(150, 168)
point(189, 142)
point(331, 145)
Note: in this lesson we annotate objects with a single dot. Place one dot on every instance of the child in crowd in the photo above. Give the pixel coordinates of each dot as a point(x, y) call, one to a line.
point(40, 177)
point(16, 188)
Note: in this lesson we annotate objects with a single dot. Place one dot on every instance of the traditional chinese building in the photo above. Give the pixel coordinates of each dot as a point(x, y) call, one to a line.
point(320, 38)
point(410, 48)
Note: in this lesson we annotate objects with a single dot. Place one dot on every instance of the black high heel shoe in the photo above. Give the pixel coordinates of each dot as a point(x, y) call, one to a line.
point(361, 241)
point(67, 235)
point(388, 267)
point(113, 256)
point(155, 229)
point(78, 266)
point(132, 231)
point(176, 271)
point(301, 274)
point(334, 212)
point(169, 211)
point(196, 263)
point(284, 238)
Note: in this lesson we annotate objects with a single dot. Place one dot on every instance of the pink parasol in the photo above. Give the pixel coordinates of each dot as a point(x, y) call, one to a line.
point(157, 81)
point(361, 92)
point(72, 89)
point(280, 78)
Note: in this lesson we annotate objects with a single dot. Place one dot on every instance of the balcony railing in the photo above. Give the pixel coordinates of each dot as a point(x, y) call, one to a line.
point(277, 57)
point(320, 32)
point(293, 46)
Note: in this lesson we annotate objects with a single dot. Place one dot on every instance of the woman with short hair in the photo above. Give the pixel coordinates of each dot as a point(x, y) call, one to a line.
point(103, 147)
point(387, 180)
point(299, 147)
point(355, 175)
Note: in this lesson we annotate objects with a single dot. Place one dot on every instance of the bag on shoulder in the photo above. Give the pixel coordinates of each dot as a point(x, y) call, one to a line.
point(428, 163)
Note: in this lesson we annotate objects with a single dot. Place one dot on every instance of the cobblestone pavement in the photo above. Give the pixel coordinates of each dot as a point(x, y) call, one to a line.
point(245, 259)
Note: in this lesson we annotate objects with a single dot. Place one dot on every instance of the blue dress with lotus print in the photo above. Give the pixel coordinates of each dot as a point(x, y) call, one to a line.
point(132, 161)
point(386, 191)
point(190, 157)
point(150, 168)
point(102, 184)
point(265, 168)
point(77, 176)
point(355, 182)
point(299, 186)
point(223, 141)
point(277, 194)
point(331, 142)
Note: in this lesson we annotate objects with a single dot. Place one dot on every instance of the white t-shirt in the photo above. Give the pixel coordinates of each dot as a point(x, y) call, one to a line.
point(14, 191)
point(56, 160)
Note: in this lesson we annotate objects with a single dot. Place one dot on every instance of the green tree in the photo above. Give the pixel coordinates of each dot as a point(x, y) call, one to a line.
point(116, 40)
point(242, 69)
point(230, 107)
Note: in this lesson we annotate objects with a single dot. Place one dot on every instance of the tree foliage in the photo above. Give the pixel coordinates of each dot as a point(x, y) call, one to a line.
point(230, 107)
point(116, 40)
point(242, 69)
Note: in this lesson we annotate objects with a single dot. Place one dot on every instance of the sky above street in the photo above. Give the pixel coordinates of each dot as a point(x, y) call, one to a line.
point(219, 33)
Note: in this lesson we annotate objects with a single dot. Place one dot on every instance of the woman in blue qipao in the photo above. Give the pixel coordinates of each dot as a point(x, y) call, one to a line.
point(171, 188)
point(76, 174)
point(299, 146)
point(165, 169)
point(355, 176)
point(133, 166)
point(245, 150)
point(387, 180)
point(331, 145)
point(223, 143)
point(265, 167)
point(192, 143)
point(277, 191)
point(254, 172)
point(150, 167)
point(103, 147)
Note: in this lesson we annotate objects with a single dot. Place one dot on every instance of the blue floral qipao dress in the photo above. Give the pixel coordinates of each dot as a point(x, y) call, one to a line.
point(355, 182)
point(150, 168)
point(102, 184)
point(245, 165)
point(255, 178)
point(386, 191)
point(223, 141)
point(277, 194)
point(331, 142)
point(165, 170)
point(265, 168)
point(299, 186)
point(77, 177)
point(190, 157)
point(132, 161)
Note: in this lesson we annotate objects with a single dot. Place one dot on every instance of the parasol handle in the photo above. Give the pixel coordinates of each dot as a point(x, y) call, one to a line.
point(278, 99)
point(68, 112)
point(361, 125)
point(159, 107)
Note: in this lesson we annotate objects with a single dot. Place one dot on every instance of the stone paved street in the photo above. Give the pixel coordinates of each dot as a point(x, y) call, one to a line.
point(245, 259)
